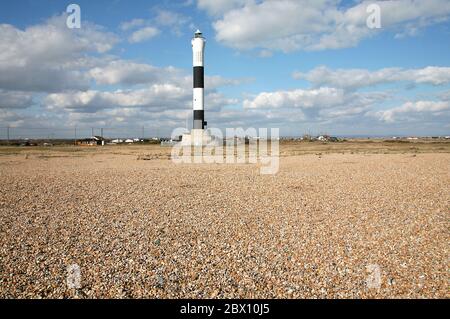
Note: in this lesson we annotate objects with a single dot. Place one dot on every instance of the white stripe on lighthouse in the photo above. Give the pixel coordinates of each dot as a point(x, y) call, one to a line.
point(198, 102)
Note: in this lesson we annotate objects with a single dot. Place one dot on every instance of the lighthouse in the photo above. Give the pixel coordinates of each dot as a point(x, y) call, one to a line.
point(199, 135)
point(198, 53)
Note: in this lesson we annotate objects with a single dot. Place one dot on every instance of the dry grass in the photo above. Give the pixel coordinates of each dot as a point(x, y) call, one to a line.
point(366, 147)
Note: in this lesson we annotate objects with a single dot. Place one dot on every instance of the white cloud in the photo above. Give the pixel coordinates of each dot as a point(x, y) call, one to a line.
point(432, 75)
point(357, 78)
point(51, 41)
point(322, 97)
point(215, 81)
point(129, 121)
point(173, 20)
point(168, 18)
point(48, 57)
point(265, 54)
point(129, 72)
point(12, 119)
point(145, 29)
point(291, 25)
point(217, 7)
point(128, 25)
point(321, 103)
point(216, 101)
point(15, 99)
point(53, 59)
point(445, 96)
point(412, 108)
point(143, 34)
point(157, 97)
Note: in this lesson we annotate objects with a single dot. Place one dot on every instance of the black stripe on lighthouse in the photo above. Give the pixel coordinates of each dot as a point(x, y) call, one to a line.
point(199, 115)
point(199, 83)
point(199, 78)
point(199, 119)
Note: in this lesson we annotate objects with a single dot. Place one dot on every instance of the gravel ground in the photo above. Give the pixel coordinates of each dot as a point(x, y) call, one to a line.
point(320, 228)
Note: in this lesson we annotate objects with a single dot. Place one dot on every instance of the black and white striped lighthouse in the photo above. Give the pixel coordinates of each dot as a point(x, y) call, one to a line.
point(198, 50)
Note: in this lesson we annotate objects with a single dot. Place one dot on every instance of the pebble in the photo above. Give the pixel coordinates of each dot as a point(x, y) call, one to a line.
point(153, 229)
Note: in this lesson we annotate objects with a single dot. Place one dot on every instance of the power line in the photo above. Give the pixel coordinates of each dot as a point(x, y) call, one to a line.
point(21, 132)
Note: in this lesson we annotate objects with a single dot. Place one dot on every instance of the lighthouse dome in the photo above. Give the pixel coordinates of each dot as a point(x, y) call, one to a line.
point(198, 34)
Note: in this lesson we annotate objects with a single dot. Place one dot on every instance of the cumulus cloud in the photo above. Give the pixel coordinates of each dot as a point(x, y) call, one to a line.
point(216, 81)
point(48, 57)
point(322, 97)
point(265, 54)
point(217, 7)
point(67, 64)
point(321, 103)
point(173, 20)
point(358, 78)
point(129, 25)
point(145, 29)
point(13, 119)
point(15, 99)
point(129, 73)
point(291, 25)
point(156, 97)
point(412, 108)
point(445, 96)
point(143, 34)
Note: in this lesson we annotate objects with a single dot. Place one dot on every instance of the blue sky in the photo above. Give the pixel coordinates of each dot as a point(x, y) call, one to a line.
point(302, 66)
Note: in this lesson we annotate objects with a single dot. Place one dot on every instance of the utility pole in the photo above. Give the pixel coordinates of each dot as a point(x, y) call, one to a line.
point(101, 132)
point(92, 132)
point(143, 129)
point(75, 132)
point(7, 133)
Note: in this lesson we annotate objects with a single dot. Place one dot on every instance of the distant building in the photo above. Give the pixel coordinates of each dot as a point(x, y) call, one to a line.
point(92, 141)
point(327, 138)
